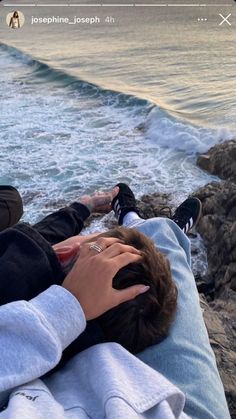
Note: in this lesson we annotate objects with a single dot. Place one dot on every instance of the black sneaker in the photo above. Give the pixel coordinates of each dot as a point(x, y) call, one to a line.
point(188, 214)
point(124, 202)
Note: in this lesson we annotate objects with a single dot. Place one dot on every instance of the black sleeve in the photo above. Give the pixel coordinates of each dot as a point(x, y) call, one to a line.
point(62, 224)
point(28, 264)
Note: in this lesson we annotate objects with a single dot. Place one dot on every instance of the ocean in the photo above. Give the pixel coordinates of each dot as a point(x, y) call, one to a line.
point(134, 98)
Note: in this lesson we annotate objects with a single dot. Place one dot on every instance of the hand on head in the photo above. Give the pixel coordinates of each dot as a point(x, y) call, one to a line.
point(90, 280)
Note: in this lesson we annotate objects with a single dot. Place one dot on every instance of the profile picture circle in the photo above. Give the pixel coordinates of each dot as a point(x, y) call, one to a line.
point(15, 19)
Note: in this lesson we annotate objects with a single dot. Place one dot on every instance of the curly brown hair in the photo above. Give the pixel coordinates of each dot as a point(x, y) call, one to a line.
point(145, 320)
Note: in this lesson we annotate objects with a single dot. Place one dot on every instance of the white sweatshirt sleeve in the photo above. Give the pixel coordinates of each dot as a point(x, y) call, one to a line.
point(33, 335)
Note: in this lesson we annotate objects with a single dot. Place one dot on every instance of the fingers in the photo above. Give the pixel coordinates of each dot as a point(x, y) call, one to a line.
point(102, 242)
point(117, 249)
point(111, 247)
point(114, 192)
point(120, 296)
point(90, 280)
point(124, 259)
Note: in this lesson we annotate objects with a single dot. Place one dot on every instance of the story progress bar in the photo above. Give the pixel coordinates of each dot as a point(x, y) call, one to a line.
point(116, 5)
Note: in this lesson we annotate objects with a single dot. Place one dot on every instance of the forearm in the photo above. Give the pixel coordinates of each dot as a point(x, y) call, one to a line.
point(63, 224)
point(34, 334)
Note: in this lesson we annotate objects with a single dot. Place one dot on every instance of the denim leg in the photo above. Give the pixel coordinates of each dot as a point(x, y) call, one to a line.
point(185, 357)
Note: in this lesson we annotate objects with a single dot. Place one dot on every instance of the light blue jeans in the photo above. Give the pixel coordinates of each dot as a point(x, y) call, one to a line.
point(185, 356)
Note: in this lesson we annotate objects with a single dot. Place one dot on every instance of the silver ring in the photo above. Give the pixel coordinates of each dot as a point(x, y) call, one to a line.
point(96, 247)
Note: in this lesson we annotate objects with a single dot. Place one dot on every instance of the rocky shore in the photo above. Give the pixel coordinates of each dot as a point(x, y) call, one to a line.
point(217, 227)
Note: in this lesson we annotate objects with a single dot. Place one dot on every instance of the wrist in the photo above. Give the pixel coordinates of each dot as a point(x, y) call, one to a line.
point(62, 311)
point(83, 209)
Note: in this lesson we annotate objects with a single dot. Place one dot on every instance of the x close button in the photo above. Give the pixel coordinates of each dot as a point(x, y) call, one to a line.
point(225, 19)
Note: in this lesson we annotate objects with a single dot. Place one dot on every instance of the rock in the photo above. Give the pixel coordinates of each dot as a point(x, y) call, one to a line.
point(155, 205)
point(220, 160)
point(217, 227)
point(217, 316)
point(204, 162)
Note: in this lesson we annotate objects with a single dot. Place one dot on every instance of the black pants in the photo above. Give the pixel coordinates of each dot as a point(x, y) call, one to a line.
point(11, 206)
point(62, 224)
point(56, 227)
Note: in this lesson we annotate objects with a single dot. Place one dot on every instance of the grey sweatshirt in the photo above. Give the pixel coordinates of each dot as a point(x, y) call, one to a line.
point(105, 381)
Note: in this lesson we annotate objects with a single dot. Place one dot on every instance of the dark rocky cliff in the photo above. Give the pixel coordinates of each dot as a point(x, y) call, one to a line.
point(218, 230)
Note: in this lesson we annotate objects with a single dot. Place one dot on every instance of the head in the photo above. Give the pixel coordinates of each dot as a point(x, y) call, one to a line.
point(15, 14)
point(146, 319)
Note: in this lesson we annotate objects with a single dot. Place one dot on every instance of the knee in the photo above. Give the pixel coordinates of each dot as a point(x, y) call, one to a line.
point(11, 206)
point(165, 233)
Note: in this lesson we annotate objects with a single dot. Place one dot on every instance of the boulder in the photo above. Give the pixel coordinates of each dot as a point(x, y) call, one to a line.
point(217, 227)
point(219, 318)
point(220, 160)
